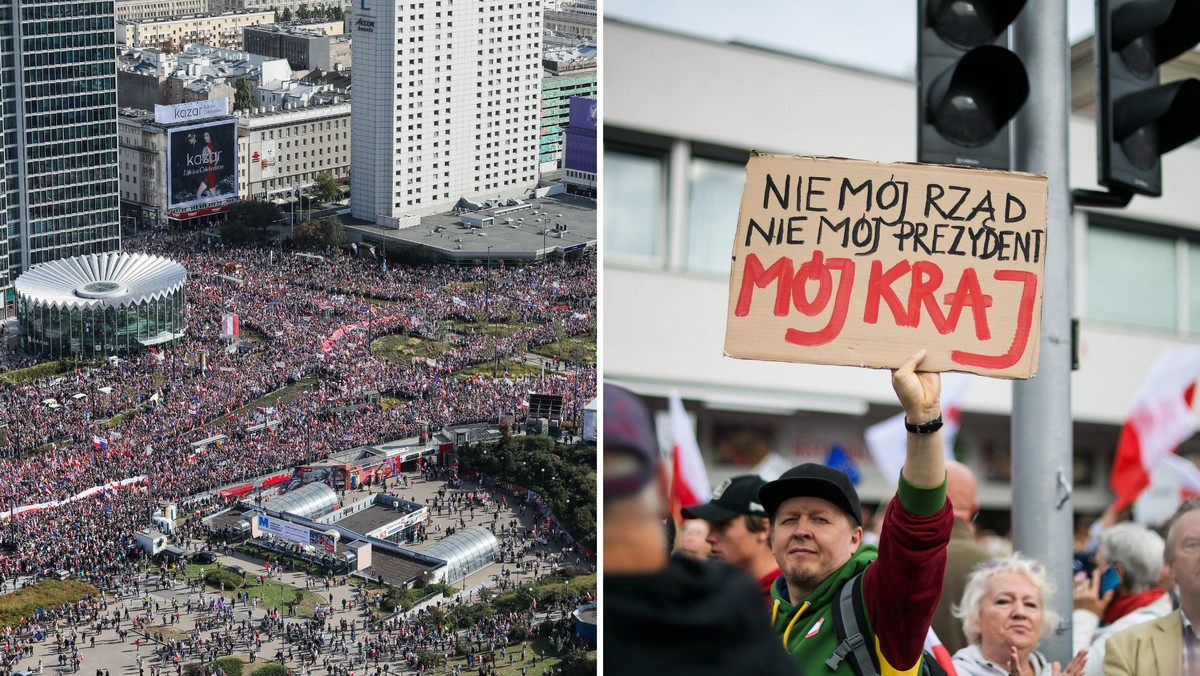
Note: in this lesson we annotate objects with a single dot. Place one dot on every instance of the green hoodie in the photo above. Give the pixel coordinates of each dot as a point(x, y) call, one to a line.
point(812, 651)
point(900, 589)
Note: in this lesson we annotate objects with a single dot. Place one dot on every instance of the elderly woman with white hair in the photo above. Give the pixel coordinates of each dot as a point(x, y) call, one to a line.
point(1124, 590)
point(1004, 615)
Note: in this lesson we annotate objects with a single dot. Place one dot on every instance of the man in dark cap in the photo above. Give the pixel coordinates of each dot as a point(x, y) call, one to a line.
point(663, 614)
point(817, 538)
point(737, 529)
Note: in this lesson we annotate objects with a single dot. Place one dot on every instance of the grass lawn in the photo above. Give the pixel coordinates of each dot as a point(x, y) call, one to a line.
point(402, 348)
point(24, 602)
point(251, 335)
point(575, 348)
point(388, 403)
point(489, 329)
point(284, 395)
point(540, 645)
point(276, 596)
point(165, 633)
point(515, 369)
point(37, 372)
point(119, 418)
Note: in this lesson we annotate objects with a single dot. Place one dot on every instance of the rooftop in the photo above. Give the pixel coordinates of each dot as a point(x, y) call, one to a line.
point(522, 238)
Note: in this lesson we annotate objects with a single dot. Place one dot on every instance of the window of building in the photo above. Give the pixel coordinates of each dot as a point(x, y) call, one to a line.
point(1146, 293)
point(635, 216)
point(714, 196)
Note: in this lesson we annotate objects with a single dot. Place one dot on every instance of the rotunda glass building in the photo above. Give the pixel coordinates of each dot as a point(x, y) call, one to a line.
point(101, 304)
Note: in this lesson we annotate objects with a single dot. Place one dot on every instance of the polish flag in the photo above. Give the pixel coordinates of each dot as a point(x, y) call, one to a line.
point(888, 440)
point(934, 645)
point(1161, 419)
point(689, 478)
point(1174, 480)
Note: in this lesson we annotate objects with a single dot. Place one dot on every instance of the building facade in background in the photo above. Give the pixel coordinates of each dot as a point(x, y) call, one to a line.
point(570, 71)
point(304, 46)
point(216, 30)
point(284, 149)
point(60, 134)
point(579, 152)
point(674, 172)
point(445, 105)
point(138, 10)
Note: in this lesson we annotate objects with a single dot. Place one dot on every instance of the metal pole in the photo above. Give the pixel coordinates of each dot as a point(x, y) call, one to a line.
point(1041, 421)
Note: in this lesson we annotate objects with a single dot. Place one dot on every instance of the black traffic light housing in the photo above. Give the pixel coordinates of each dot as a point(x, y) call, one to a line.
point(969, 86)
point(1139, 120)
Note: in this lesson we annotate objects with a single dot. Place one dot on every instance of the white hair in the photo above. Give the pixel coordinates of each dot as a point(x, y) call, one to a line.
point(980, 579)
point(1138, 550)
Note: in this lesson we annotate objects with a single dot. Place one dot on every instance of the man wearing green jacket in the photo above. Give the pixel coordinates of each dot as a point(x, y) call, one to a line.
point(817, 538)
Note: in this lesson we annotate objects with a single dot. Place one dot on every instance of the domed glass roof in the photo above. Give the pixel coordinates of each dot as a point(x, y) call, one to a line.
point(101, 280)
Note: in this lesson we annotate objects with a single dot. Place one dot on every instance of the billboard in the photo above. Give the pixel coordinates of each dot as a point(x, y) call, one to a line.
point(193, 111)
point(284, 529)
point(583, 113)
point(201, 163)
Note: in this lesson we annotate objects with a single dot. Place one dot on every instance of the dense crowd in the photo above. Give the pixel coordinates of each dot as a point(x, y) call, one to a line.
point(142, 416)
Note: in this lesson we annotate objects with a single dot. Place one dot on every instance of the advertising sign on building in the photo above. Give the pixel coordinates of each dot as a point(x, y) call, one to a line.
point(193, 111)
point(862, 264)
point(284, 529)
point(202, 163)
point(407, 521)
point(582, 113)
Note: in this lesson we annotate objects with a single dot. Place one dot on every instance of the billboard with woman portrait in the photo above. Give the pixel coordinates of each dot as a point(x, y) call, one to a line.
point(202, 163)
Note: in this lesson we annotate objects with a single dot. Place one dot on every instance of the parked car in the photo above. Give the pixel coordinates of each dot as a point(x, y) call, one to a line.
point(204, 557)
point(239, 570)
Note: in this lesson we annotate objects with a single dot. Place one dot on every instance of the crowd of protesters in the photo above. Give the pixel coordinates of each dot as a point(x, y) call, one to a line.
point(141, 416)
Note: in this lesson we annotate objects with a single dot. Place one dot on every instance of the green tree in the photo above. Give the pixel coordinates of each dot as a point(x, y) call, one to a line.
point(287, 14)
point(576, 663)
point(336, 13)
point(319, 233)
point(333, 231)
point(257, 215)
point(303, 12)
point(325, 188)
point(237, 233)
point(243, 98)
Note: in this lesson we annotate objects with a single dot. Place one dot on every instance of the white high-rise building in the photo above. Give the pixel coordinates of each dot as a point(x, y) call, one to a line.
point(446, 104)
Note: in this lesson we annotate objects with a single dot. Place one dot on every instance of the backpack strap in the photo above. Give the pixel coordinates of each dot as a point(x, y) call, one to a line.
point(850, 623)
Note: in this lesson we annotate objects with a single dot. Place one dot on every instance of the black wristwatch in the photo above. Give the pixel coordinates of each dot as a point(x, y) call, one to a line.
point(925, 427)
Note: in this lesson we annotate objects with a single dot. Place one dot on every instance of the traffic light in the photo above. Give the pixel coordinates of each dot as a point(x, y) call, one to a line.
point(1139, 120)
point(968, 84)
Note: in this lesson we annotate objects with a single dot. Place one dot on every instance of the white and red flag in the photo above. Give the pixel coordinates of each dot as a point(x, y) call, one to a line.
point(689, 478)
point(888, 440)
point(934, 645)
point(1160, 419)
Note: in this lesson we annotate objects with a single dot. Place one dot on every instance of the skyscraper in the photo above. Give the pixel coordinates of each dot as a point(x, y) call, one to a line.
point(446, 104)
point(58, 89)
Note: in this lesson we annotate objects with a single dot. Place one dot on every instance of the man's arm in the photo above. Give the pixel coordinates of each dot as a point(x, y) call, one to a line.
point(901, 589)
point(1115, 662)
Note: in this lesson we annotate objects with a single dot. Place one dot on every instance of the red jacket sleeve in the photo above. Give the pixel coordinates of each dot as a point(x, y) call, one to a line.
point(902, 587)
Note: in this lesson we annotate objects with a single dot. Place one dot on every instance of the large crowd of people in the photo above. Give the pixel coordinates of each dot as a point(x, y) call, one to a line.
point(313, 320)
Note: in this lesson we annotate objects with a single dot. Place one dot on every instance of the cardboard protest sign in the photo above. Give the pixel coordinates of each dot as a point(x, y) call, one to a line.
point(859, 263)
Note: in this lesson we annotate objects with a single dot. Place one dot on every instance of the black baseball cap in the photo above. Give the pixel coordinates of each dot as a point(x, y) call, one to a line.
point(811, 480)
point(738, 495)
point(627, 428)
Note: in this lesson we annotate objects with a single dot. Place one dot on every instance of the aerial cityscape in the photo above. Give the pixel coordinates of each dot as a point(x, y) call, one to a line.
point(299, 375)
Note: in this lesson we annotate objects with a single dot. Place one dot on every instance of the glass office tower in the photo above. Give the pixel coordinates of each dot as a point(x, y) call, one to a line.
point(58, 91)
